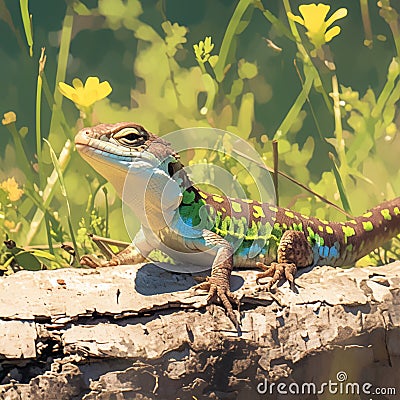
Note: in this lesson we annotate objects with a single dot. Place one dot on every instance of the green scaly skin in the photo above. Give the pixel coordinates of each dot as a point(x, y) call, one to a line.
point(224, 231)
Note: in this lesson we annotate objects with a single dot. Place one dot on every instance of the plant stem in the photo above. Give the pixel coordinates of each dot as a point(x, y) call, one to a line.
point(48, 230)
point(23, 159)
point(296, 107)
point(55, 124)
point(338, 122)
point(42, 62)
point(390, 15)
point(227, 41)
point(107, 211)
point(60, 176)
point(366, 23)
point(276, 168)
point(27, 22)
point(49, 191)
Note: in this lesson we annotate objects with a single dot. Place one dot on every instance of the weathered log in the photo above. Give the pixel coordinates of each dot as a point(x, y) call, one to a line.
point(141, 332)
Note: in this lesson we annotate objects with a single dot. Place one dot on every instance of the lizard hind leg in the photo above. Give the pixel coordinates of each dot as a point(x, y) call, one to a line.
point(293, 251)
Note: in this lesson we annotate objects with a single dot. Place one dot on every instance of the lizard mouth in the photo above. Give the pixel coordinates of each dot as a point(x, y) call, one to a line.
point(114, 152)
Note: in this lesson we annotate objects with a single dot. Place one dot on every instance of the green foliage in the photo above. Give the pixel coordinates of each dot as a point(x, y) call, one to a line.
point(180, 77)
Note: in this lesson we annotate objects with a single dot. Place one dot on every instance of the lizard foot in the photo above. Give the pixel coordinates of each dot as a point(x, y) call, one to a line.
point(277, 271)
point(223, 293)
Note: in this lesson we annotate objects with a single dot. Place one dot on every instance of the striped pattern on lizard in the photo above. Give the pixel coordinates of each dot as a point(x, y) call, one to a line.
point(235, 232)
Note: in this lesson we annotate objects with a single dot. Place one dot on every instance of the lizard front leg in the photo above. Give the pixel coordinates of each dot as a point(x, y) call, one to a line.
point(293, 251)
point(130, 255)
point(218, 284)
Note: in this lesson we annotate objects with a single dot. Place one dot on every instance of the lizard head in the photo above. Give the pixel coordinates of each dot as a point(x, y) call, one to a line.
point(114, 149)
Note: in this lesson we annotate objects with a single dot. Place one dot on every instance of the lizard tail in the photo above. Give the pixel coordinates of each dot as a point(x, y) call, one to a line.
point(370, 230)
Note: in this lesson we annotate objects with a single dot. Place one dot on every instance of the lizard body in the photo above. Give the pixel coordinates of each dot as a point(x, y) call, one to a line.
point(184, 221)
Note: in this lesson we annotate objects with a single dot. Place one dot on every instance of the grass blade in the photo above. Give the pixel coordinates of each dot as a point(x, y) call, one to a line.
point(49, 190)
point(296, 108)
point(27, 21)
point(63, 189)
point(229, 38)
point(339, 183)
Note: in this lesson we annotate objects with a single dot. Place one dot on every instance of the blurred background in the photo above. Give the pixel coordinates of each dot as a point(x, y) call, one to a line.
point(262, 75)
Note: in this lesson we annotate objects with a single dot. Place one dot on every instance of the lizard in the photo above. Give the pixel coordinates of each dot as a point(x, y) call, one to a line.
point(233, 232)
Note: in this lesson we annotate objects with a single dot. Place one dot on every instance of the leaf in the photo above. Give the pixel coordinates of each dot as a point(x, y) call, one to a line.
point(57, 167)
point(213, 60)
point(120, 13)
point(3, 197)
point(247, 70)
point(339, 183)
point(359, 175)
point(301, 157)
point(246, 115)
point(80, 8)
point(225, 118)
point(278, 25)
point(211, 88)
point(296, 107)
point(28, 261)
point(175, 36)
point(26, 19)
point(43, 254)
point(236, 90)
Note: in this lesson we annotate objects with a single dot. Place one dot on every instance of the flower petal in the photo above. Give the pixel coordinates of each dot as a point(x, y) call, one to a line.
point(314, 16)
point(92, 82)
point(66, 90)
point(314, 10)
point(103, 90)
point(81, 97)
point(338, 14)
point(295, 18)
point(9, 118)
point(208, 46)
point(12, 189)
point(331, 33)
point(213, 60)
point(197, 51)
point(77, 83)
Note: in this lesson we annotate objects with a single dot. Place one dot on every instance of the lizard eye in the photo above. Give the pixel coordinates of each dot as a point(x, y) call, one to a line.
point(130, 137)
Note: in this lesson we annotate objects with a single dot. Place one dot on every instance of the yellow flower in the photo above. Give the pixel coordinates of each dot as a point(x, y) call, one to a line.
point(85, 95)
point(9, 224)
point(11, 187)
point(9, 118)
point(314, 21)
point(203, 50)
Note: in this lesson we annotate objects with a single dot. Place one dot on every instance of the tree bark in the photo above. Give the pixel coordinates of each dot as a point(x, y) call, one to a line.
point(141, 332)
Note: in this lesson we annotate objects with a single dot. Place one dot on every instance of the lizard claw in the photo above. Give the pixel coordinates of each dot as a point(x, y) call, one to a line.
point(277, 271)
point(224, 294)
